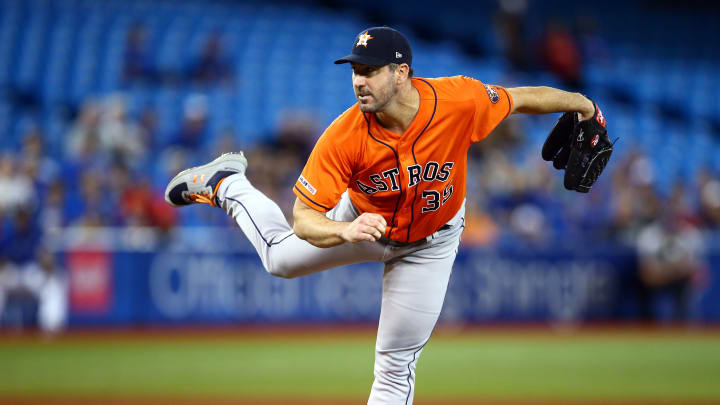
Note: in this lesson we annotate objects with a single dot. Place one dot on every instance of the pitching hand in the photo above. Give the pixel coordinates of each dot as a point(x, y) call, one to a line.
point(366, 227)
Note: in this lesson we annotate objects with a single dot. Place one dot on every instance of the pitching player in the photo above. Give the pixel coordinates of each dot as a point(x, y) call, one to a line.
point(385, 182)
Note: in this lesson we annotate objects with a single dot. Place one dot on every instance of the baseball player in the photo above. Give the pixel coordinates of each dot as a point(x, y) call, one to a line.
point(385, 182)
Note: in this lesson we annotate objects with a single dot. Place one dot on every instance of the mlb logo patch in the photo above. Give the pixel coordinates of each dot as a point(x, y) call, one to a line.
point(492, 93)
point(309, 187)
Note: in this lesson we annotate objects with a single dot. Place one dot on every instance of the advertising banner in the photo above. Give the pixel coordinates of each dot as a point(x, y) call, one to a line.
point(174, 287)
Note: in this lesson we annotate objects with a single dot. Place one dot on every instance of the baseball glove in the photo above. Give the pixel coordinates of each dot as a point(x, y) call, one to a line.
point(581, 148)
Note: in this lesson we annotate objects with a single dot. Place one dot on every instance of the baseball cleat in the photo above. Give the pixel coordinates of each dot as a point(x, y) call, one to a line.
point(200, 184)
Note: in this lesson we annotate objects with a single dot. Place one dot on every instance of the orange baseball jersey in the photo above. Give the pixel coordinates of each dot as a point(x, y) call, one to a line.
point(415, 180)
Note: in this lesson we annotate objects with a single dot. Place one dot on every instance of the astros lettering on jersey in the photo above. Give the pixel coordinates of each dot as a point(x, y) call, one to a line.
point(415, 180)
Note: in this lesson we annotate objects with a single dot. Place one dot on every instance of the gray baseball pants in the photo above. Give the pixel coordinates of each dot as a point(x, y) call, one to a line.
point(414, 281)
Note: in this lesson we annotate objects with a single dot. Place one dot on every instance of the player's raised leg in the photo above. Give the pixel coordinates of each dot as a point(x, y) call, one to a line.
point(222, 183)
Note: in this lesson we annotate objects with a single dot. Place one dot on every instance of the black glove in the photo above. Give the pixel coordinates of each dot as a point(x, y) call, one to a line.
point(582, 149)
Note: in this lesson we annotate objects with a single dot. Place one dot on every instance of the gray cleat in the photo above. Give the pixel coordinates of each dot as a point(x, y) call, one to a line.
point(200, 184)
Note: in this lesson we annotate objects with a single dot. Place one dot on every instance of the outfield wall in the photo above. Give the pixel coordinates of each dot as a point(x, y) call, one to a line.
point(173, 283)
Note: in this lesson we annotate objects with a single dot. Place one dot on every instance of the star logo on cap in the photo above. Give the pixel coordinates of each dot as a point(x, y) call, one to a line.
point(362, 39)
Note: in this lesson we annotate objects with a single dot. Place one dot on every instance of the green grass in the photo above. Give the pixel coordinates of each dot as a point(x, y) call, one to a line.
point(202, 368)
point(583, 368)
point(488, 365)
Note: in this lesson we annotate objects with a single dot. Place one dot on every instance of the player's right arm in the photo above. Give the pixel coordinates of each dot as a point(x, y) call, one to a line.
point(317, 229)
point(325, 178)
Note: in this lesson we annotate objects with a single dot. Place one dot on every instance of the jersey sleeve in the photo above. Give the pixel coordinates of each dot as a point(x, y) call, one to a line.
point(492, 105)
point(326, 174)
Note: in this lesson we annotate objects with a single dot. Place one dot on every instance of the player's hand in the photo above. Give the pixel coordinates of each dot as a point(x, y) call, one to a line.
point(366, 227)
point(588, 112)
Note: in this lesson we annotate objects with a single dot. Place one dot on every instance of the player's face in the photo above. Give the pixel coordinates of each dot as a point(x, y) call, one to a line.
point(374, 87)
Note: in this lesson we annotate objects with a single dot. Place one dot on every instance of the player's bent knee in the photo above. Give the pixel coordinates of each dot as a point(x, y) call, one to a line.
point(284, 269)
point(280, 272)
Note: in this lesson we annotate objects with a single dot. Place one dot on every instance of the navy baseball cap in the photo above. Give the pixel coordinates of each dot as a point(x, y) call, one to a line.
point(379, 46)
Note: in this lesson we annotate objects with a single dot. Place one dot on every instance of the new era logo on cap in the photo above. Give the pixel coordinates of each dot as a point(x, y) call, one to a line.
point(379, 46)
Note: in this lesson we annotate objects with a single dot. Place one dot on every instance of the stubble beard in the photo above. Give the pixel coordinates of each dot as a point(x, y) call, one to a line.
point(381, 102)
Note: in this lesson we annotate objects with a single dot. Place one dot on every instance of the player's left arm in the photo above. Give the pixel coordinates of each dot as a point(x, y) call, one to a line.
point(583, 158)
point(545, 100)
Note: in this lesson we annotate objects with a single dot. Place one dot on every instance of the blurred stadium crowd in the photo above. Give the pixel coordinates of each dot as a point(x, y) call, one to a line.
point(103, 101)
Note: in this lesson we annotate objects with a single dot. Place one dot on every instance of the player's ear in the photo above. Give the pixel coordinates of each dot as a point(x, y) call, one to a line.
point(402, 72)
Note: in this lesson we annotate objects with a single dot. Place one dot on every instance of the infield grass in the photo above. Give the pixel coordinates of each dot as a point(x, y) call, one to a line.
point(479, 364)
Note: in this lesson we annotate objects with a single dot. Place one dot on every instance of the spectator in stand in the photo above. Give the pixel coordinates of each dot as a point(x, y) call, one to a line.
point(4, 284)
point(93, 207)
point(18, 309)
point(17, 253)
point(24, 238)
point(635, 202)
point(709, 199)
point(120, 137)
point(51, 287)
point(148, 125)
point(280, 158)
point(33, 293)
point(12, 178)
point(83, 138)
point(52, 214)
point(138, 64)
point(296, 134)
point(228, 140)
point(670, 262)
point(510, 22)
point(34, 157)
point(213, 66)
point(137, 203)
point(193, 129)
point(561, 54)
point(594, 49)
